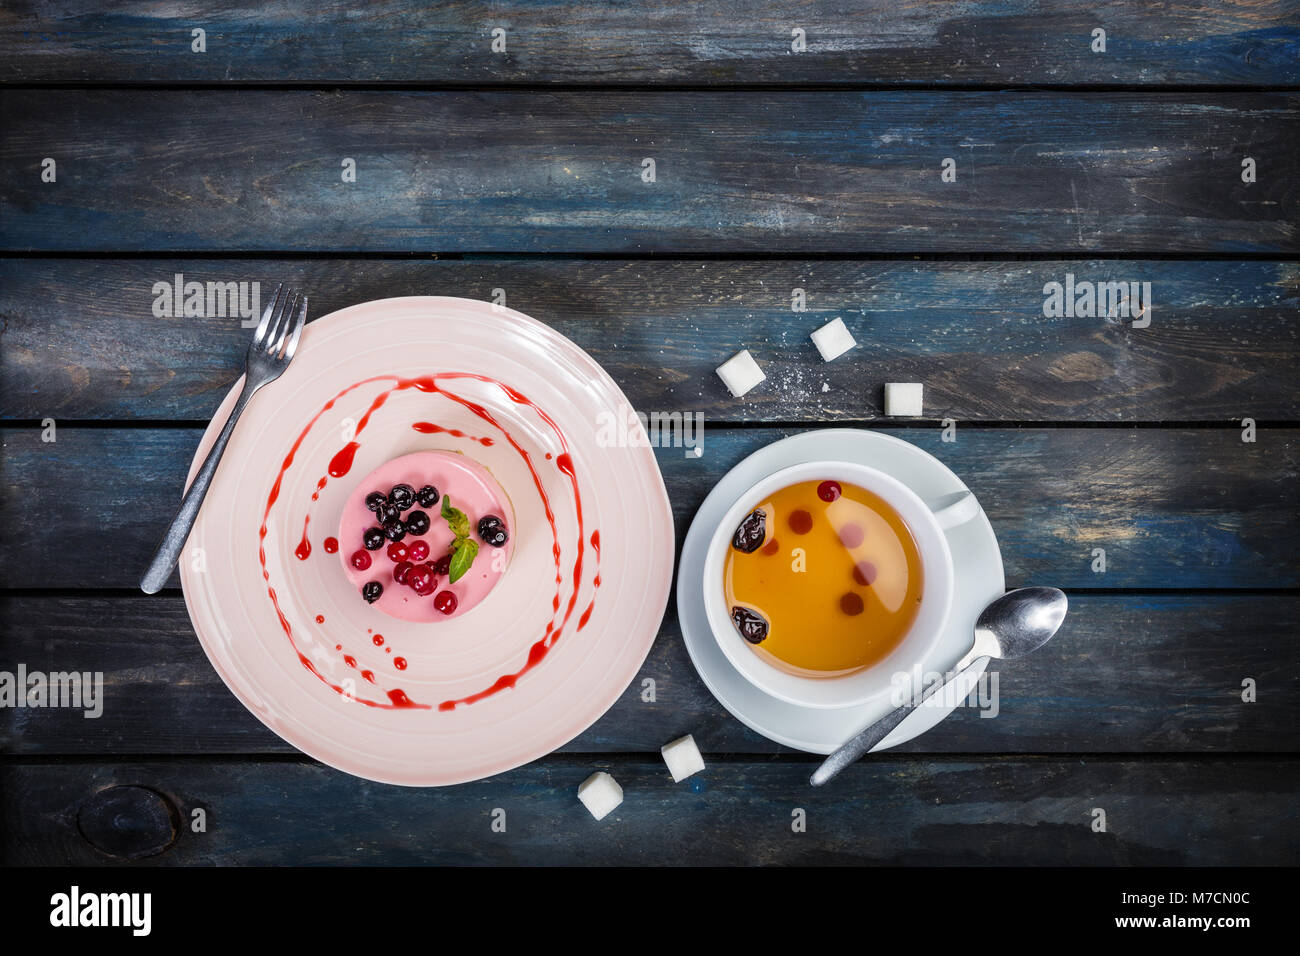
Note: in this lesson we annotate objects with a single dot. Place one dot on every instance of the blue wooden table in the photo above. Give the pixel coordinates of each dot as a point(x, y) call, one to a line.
point(655, 183)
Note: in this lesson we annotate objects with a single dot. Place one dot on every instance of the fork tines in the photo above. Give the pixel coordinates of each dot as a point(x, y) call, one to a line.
point(287, 308)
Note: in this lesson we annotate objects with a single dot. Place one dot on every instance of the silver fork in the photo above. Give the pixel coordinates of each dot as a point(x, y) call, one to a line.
point(269, 354)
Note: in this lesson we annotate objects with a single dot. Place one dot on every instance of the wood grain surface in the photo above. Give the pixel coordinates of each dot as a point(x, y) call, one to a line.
point(1167, 158)
point(735, 172)
point(82, 340)
point(896, 810)
point(1186, 42)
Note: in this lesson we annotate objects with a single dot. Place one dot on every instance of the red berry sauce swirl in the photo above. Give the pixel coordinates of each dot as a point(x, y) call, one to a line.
point(341, 464)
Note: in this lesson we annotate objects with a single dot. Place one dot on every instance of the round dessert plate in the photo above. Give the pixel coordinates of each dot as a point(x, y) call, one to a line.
point(566, 626)
point(979, 580)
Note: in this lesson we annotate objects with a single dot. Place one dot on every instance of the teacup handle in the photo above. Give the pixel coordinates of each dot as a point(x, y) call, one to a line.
point(959, 512)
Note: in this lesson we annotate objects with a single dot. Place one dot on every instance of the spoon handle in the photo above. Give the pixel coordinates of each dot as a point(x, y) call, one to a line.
point(860, 744)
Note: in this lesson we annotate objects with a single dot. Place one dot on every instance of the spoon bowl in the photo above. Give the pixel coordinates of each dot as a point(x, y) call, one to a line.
point(1020, 622)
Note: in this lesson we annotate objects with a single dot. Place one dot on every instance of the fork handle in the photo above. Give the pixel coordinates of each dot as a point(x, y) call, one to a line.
point(173, 541)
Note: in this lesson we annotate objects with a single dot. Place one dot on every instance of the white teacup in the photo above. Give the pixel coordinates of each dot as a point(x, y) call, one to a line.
point(843, 690)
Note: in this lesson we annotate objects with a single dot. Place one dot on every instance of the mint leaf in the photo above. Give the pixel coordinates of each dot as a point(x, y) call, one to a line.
point(463, 549)
point(456, 519)
point(463, 554)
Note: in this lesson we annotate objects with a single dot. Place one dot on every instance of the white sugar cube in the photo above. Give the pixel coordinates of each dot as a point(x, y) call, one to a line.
point(903, 398)
point(833, 339)
point(600, 793)
point(740, 373)
point(683, 758)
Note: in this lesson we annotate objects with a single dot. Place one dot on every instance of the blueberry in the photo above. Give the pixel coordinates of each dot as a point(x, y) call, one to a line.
point(750, 624)
point(417, 522)
point(751, 532)
point(371, 591)
point(427, 496)
point(492, 531)
point(403, 496)
point(387, 512)
point(394, 530)
point(374, 500)
point(373, 539)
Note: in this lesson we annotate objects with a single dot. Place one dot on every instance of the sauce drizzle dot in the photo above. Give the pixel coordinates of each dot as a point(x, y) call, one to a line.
point(303, 551)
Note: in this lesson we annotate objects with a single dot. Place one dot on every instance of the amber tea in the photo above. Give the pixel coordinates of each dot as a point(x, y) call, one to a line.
point(823, 578)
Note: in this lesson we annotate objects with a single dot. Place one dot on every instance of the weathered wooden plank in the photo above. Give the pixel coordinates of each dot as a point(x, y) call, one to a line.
point(1173, 508)
point(1130, 673)
point(889, 811)
point(1223, 342)
point(563, 172)
point(876, 41)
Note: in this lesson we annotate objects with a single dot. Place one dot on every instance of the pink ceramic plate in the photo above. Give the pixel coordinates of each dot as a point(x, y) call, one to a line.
point(563, 632)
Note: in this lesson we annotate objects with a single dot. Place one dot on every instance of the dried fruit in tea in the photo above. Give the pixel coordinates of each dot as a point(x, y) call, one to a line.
point(750, 532)
point(751, 625)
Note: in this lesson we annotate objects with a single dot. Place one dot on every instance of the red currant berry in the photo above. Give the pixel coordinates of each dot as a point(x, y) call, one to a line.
point(445, 602)
point(420, 580)
point(828, 490)
point(418, 551)
point(401, 571)
point(864, 573)
point(360, 560)
point(397, 552)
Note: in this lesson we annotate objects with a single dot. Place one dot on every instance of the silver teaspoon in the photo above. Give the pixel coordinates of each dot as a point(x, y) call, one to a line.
point(1012, 626)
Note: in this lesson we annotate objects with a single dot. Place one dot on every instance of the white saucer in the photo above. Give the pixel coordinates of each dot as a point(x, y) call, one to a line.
point(975, 555)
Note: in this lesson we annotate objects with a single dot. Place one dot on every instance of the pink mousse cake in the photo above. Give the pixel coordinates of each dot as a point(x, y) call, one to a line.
point(396, 545)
